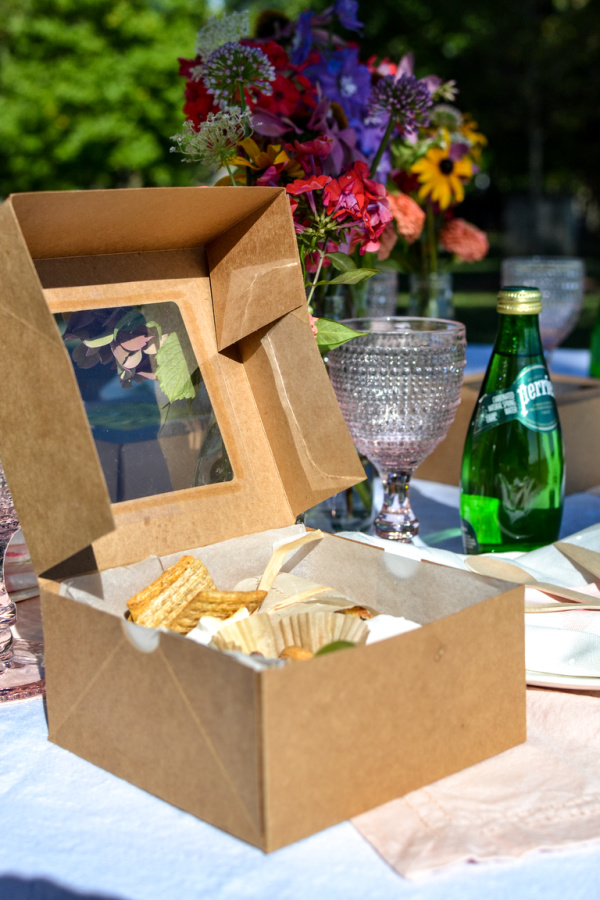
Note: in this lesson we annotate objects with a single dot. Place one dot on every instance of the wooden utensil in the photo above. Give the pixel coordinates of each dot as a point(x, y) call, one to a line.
point(581, 556)
point(494, 567)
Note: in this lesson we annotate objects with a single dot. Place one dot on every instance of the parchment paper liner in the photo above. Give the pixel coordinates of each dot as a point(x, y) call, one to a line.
point(311, 630)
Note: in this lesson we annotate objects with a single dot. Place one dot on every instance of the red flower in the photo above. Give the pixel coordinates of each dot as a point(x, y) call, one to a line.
point(284, 99)
point(303, 185)
point(292, 92)
point(356, 195)
point(198, 103)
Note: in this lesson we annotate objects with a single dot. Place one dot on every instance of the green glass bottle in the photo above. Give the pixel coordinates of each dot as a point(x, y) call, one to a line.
point(512, 476)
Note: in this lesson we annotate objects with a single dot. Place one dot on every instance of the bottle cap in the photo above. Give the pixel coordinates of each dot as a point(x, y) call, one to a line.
point(519, 301)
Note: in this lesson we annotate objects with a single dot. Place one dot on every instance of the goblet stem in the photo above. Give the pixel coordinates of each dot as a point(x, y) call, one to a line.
point(396, 521)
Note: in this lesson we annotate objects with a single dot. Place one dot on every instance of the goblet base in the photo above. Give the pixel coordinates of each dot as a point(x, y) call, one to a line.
point(396, 521)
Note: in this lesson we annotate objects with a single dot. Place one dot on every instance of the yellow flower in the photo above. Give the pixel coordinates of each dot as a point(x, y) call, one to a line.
point(440, 177)
point(475, 138)
point(469, 129)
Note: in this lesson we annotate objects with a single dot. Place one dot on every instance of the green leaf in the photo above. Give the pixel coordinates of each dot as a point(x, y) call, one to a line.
point(333, 646)
point(172, 372)
point(355, 276)
point(152, 324)
point(332, 334)
point(100, 341)
point(342, 262)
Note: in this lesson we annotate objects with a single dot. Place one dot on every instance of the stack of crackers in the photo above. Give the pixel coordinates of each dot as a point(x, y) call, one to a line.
point(183, 594)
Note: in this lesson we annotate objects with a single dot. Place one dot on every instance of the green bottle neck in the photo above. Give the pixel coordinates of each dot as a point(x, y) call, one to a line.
point(518, 335)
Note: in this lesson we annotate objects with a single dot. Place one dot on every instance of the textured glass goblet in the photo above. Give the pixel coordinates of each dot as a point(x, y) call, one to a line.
point(561, 281)
point(398, 388)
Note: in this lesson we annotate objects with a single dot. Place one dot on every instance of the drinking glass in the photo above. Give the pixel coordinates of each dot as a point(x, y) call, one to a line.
point(561, 281)
point(398, 388)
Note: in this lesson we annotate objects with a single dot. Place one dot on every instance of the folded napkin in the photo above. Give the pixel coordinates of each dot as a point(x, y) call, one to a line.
point(563, 643)
point(541, 795)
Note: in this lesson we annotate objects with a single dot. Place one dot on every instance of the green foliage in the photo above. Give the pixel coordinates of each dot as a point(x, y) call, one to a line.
point(90, 93)
point(172, 371)
point(331, 334)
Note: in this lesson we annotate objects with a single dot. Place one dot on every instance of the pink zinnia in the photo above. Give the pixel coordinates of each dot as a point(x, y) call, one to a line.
point(387, 241)
point(408, 215)
point(467, 242)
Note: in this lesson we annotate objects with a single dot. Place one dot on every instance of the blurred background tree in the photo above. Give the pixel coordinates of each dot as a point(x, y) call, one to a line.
point(89, 92)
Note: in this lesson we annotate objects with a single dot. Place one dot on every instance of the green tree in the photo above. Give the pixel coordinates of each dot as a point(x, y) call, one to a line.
point(90, 93)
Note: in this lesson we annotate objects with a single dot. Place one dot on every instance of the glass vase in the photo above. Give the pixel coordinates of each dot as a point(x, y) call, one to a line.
point(430, 295)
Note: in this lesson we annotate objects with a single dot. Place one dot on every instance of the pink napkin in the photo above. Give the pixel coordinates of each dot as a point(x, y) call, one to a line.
point(541, 795)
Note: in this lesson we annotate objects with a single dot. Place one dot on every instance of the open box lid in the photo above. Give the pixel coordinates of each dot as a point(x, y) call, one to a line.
point(229, 258)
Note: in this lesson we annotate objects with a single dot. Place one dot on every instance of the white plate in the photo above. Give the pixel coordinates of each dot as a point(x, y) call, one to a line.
point(563, 682)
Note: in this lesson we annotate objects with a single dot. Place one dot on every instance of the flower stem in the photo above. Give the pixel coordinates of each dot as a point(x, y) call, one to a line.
point(226, 164)
point(384, 142)
point(431, 240)
point(322, 255)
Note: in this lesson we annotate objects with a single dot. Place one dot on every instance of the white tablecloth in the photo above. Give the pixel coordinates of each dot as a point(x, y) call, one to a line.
point(72, 830)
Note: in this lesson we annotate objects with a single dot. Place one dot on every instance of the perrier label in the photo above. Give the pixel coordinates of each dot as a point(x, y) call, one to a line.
point(512, 477)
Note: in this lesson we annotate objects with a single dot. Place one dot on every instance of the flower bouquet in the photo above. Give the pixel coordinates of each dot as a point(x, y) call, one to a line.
point(295, 106)
point(430, 169)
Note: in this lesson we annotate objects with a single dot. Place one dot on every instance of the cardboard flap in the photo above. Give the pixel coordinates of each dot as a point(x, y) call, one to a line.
point(307, 433)
point(256, 275)
point(131, 220)
point(45, 444)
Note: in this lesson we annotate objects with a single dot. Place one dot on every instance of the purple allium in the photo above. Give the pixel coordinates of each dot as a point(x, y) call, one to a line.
point(406, 101)
point(235, 65)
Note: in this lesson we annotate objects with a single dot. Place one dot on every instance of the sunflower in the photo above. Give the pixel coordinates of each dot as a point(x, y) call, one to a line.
point(441, 176)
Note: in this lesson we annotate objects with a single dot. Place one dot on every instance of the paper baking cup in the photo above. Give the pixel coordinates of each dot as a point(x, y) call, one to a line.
point(311, 630)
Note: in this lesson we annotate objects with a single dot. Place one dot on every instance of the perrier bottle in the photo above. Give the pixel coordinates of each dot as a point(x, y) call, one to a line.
point(512, 477)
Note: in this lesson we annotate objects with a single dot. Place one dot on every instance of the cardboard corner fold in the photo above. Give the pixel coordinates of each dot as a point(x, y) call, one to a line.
point(255, 272)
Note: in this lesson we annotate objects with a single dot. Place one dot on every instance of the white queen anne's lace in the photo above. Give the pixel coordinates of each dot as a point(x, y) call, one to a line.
point(216, 140)
point(219, 31)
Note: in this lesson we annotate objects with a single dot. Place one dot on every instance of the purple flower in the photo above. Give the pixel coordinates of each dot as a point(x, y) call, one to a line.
point(346, 11)
point(302, 39)
point(344, 80)
point(343, 140)
point(405, 100)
